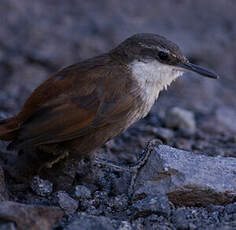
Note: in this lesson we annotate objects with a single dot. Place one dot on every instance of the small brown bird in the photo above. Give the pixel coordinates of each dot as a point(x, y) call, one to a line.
point(84, 105)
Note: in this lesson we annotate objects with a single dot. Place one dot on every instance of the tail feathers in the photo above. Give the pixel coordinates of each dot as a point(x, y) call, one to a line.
point(8, 129)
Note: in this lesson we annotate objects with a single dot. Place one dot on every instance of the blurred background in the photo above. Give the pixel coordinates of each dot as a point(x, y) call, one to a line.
point(39, 37)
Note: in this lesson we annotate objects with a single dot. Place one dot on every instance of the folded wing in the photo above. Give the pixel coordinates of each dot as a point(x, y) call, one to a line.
point(86, 104)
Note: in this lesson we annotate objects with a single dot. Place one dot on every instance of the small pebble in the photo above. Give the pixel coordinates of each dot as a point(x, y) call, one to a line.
point(82, 192)
point(68, 204)
point(119, 203)
point(125, 225)
point(41, 187)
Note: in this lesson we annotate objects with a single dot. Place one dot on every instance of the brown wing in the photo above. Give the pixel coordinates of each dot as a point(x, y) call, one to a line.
point(88, 99)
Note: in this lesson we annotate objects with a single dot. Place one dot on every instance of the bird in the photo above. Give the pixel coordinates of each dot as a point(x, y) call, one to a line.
point(84, 105)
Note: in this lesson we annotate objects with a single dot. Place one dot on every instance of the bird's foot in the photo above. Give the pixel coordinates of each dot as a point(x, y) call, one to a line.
point(56, 160)
point(135, 168)
point(141, 162)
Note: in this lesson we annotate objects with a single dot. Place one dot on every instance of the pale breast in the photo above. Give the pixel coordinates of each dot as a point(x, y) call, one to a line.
point(152, 76)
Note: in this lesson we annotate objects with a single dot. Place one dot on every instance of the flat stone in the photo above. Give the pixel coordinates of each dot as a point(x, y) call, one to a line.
point(188, 179)
point(33, 217)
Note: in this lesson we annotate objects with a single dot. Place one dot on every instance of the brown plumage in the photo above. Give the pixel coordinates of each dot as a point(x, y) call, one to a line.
point(84, 105)
point(75, 102)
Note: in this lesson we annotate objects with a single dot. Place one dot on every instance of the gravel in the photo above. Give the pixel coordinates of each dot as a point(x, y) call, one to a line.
point(39, 37)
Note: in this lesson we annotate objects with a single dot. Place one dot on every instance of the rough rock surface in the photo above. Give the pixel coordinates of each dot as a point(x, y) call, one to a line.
point(187, 178)
point(26, 217)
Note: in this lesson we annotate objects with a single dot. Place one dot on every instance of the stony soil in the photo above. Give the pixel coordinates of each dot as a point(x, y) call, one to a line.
point(39, 37)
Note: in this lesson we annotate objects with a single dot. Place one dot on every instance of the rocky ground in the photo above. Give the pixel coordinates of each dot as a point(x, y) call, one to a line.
point(175, 189)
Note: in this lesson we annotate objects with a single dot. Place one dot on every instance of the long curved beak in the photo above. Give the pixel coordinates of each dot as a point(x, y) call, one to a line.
point(198, 69)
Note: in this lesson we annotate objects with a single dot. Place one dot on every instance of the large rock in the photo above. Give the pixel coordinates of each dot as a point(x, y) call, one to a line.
point(30, 217)
point(187, 178)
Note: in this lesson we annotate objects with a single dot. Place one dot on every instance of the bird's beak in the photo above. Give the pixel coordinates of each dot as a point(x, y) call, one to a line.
point(198, 69)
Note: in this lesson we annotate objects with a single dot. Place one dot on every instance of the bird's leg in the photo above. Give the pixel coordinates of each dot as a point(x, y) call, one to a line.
point(136, 166)
point(133, 169)
point(57, 159)
point(54, 161)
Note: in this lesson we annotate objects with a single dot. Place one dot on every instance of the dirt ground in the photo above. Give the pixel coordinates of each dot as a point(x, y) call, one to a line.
point(39, 37)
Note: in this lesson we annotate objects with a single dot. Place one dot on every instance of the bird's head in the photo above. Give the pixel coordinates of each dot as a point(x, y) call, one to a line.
point(156, 57)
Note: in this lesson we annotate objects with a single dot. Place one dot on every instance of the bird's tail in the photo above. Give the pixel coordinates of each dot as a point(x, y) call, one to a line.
point(9, 128)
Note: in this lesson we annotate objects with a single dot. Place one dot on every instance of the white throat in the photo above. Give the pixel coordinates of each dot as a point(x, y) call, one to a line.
point(152, 76)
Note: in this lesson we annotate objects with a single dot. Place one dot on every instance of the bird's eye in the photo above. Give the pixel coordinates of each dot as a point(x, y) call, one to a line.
point(163, 56)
